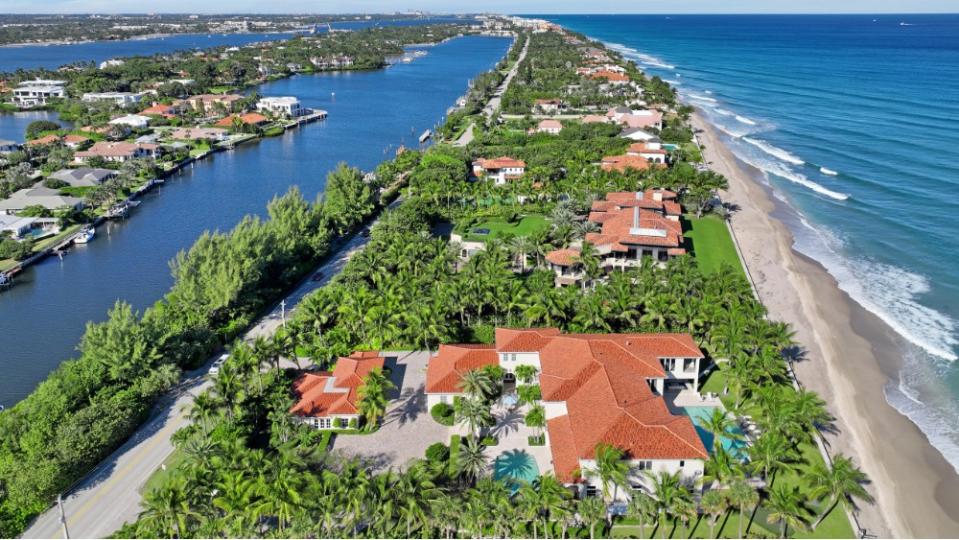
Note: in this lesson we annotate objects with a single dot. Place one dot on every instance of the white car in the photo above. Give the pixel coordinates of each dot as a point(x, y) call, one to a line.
point(215, 368)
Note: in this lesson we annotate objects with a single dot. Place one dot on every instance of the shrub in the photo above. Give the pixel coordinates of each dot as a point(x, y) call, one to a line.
point(443, 414)
point(339, 423)
point(54, 183)
point(489, 440)
point(437, 452)
point(353, 423)
point(537, 440)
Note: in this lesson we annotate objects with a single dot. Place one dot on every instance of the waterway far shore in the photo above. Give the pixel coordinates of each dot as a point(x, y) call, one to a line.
point(850, 357)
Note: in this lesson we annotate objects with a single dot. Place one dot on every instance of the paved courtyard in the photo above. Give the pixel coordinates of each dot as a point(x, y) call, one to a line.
point(408, 429)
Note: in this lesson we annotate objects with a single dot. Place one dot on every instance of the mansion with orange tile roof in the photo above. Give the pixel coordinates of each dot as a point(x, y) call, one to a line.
point(633, 226)
point(499, 169)
point(329, 400)
point(596, 388)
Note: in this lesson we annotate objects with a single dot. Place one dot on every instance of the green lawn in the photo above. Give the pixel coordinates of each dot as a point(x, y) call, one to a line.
point(523, 227)
point(692, 152)
point(454, 455)
point(709, 241)
point(160, 475)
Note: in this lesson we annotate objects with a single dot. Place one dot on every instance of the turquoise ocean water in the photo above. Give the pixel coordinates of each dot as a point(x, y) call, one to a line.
point(852, 119)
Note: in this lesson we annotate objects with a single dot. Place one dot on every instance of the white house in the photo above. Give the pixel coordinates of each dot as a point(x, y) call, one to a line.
point(637, 134)
point(137, 121)
point(38, 196)
point(8, 146)
point(119, 98)
point(652, 151)
point(286, 105)
point(37, 92)
point(553, 127)
point(499, 169)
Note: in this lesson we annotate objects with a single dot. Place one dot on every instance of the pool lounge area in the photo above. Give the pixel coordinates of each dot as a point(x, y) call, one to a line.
point(736, 447)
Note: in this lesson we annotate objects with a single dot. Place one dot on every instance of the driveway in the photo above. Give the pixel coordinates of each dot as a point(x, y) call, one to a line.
point(408, 429)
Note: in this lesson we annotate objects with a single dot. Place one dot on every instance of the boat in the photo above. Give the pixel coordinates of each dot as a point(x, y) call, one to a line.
point(85, 235)
point(425, 136)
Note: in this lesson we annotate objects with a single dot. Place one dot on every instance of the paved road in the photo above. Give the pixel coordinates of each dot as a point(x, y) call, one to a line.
point(494, 102)
point(110, 495)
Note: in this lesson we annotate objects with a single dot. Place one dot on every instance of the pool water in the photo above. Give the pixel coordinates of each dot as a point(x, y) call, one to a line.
point(515, 467)
point(699, 415)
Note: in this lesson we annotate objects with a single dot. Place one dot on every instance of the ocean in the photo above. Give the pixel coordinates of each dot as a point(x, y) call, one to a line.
point(852, 119)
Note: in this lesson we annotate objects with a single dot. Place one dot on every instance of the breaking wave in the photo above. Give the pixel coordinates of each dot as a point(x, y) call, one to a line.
point(774, 151)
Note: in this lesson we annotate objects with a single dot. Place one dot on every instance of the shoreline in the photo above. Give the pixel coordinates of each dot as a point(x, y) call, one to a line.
point(916, 489)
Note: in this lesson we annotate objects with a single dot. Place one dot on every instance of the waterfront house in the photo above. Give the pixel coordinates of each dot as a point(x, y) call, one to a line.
point(21, 227)
point(118, 151)
point(135, 121)
point(499, 169)
point(7, 146)
point(43, 141)
point(84, 176)
point(286, 106)
point(166, 111)
point(199, 133)
point(329, 400)
point(596, 389)
point(652, 151)
point(611, 77)
point(38, 92)
point(250, 119)
point(553, 127)
point(208, 102)
point(118, 98)
point(74, 142)
point(38, 196)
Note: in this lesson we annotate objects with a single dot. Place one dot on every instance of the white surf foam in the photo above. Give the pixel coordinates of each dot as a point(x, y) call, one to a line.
point(890, 292)
point(724, 112)
point(699, 97)
point(828, 172)
point(672, 82)
point(710, 92)
point(774, 151)
point(642, 58)
point(745, 120)
point(781, 170)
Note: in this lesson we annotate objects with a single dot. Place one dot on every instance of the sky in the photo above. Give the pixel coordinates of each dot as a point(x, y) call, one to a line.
point(501, 6)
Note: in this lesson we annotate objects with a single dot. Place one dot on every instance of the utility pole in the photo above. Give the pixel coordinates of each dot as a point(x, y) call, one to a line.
point(63, 518)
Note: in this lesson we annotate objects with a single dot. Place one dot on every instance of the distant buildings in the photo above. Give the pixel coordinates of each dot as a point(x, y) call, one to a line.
point(7, 146)
point(208, 102)
point(548, 106)
point(118, 98)
point(197, 133)
point(118, 151)
point(38, 196)
point(84, 176)
point(553, 127)
point(250, 119)
point(135, 121)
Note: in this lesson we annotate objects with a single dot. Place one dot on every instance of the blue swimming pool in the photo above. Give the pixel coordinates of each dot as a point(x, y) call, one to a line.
point(515, 467)
point(736, 447)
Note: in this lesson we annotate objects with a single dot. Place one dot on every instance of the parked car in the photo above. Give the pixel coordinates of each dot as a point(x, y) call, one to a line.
point(218, 363)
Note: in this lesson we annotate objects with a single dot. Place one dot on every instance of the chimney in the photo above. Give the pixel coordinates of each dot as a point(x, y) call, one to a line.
point(635, 217)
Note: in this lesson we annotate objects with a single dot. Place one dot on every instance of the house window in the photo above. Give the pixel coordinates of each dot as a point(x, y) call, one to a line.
point(689, 364)
point(591, 490)
point(444, 399)
point(669, 364)
point(682, 463)
point(645, 465)
point(324, 423)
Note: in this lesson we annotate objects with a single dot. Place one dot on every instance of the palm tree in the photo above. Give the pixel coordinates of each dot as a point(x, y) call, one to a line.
point(536, 418)
point(526, 373)
point(785, 506)
point(741, 495)
point(372, 394)
point(843, 481)
point(472, 460)
point(670, 495)
point(770, 453)
point(591, 512)
point(474, 413)
point(167, 509)
point(641, 507)
point(721, 426)
point(714, 504)
point(611, 468)
point(477, 384)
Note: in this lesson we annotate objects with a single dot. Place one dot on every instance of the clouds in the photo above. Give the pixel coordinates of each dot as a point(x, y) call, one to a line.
point(503, 6)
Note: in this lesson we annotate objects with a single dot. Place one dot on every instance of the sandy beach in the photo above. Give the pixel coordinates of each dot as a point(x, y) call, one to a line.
point(850, 357)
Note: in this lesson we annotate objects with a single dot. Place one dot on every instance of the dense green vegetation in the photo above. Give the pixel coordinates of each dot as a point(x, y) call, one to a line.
point(92, 403)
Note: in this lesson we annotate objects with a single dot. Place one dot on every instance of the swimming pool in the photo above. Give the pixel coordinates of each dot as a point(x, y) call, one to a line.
point(699, 415)
point(515, 467)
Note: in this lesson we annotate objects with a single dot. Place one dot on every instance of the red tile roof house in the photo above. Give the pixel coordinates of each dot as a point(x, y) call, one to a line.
point(553, 127)
point(329, 400)
point(75, 141)
point(252, 118)
point(595, 389)
point(633, 225)
point(652, 151)
point(499, 169)
point(118, 151)
point(548, 105)
point(208, 102)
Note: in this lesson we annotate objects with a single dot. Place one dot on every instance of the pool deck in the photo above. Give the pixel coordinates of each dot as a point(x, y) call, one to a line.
point(513, 436)
point(677, 401)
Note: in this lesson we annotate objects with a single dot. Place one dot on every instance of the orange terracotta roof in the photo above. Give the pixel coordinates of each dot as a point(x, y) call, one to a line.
point(525, 340)
point(643, 148)
point(248, 118)
point(500, 163)
point(563, 257)
point(46, 139)
point(325, 394)
point(594, 119)
point(609, 76)
point(624, 162)
point(618, 228)
point(75, 139)
point(446, 369)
